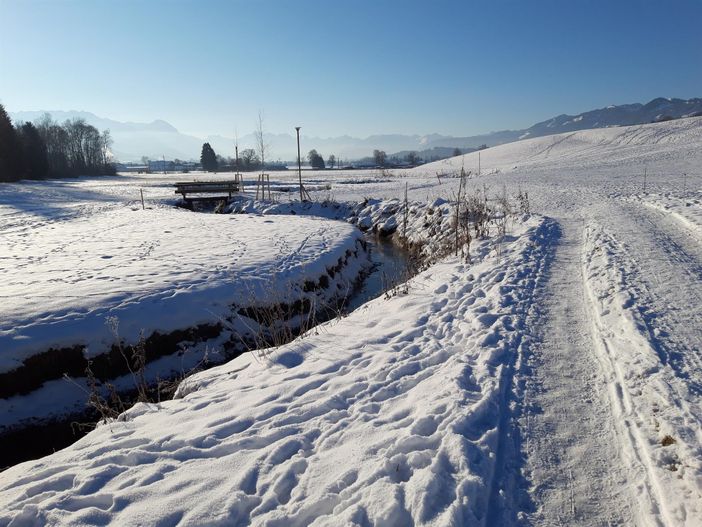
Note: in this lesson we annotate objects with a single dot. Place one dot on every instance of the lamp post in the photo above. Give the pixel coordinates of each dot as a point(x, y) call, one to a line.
point(299, 161)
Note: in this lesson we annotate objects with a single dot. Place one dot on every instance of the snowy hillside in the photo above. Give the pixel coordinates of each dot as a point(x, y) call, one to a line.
point(556, 379)
point(672, 145)
point(622, 115)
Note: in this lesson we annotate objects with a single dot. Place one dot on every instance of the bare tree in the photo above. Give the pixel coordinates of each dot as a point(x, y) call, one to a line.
point(249, 158)
point(261, 144)
point(331, 161)
point(379, 157)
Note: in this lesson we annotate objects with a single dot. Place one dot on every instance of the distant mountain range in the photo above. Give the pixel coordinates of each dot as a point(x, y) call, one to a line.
point(159, 138)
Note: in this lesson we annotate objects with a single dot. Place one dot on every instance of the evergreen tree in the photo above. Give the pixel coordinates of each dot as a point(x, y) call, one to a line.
point(316, 160)
point(35, 161)
point(208, 158)
point(10, 151)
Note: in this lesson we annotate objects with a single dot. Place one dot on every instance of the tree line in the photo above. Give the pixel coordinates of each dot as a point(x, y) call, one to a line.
point(249, 160)
point(46, 149)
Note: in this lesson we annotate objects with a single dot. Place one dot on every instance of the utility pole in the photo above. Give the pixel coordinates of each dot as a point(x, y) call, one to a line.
point(645, 175)
point(164, 163)
point(299, 161)
point(236, 149)
point(478, 162)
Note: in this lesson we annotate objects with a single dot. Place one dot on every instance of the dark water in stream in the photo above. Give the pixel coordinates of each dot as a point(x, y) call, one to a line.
point(390, 267)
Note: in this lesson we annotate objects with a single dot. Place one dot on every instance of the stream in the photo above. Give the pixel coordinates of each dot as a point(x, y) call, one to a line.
point(390, 267)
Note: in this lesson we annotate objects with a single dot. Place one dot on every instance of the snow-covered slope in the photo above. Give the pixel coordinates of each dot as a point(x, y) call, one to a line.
point(673, 142)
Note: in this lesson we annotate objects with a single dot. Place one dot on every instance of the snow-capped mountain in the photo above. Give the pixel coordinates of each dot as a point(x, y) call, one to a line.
point(659, 109)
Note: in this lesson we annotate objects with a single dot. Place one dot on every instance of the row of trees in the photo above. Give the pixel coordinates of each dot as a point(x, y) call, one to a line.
point(249, 160)
point(48, 149)
point(316, 160)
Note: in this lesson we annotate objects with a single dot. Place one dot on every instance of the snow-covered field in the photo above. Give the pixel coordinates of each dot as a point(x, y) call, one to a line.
point(555, 380)
point(167, 267)
point(76, 256)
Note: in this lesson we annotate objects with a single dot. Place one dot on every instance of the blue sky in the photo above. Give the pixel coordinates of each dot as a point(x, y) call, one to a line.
point(346, 67)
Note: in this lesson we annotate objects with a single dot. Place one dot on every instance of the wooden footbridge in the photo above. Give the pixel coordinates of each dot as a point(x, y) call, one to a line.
point(216, 191)
point(204, 191)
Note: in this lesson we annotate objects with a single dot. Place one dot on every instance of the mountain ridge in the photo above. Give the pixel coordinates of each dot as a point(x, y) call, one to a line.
point(158, 138)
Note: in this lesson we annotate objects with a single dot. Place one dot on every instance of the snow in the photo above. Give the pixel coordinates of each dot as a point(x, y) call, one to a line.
point(170, 267)
point(85, 257)
point(643, 374)
point(556, 379)
point(388, 415)
point(684, 207)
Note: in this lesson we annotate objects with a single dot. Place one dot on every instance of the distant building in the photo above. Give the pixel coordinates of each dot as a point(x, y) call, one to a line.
point(132, 167)
point(172, 166)
point(158, 166)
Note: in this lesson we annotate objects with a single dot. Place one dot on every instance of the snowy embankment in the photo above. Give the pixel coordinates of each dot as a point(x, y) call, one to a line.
point(391, 415)
point(187, 282)
point(424, 226)
point(656, 404)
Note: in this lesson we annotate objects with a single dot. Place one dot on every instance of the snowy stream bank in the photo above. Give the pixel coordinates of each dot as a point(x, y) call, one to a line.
point(279, 289)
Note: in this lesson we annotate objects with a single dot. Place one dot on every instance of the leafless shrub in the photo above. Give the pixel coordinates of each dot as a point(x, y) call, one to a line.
point(523, 202)
point(108, 402)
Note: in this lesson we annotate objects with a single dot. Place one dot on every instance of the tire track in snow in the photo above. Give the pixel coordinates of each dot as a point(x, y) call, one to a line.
point(663, 271)
point(571, 458)
point(652, 396)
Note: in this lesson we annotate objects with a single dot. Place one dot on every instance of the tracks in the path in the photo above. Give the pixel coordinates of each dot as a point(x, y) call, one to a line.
point(612, 364)
point(664, 271)
point(571, 454)
point(643, 280)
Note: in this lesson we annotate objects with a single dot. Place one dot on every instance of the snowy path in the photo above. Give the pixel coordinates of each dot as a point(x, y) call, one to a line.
point(646, 280)
point(666, 274)
point(570, 446)
point(616, 366)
